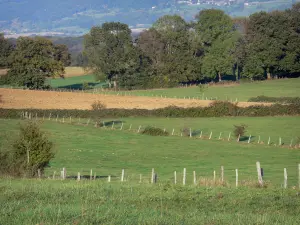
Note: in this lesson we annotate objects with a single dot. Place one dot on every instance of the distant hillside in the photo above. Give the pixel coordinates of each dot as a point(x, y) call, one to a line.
point(76, 17)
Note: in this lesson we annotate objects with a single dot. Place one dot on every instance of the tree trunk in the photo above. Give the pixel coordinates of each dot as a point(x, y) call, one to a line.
point(115, 85)
point(109, 84)
point(268, 75)
point(220, 76)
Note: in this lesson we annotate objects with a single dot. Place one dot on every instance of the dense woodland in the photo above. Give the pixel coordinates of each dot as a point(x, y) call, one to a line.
point(215, 47)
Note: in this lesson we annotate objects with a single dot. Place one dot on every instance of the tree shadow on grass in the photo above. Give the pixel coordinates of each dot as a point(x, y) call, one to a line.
point(87, 177)
point(246, 138)
point(110, 123)
point(91, 85)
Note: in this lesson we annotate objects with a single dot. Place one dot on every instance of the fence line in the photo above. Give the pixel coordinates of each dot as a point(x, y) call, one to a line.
point(191, 134)
point(154, 178)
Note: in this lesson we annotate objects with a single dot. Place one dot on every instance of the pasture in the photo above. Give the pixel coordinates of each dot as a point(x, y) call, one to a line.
point(241, 92)
point(96, 202)
point(80, 148)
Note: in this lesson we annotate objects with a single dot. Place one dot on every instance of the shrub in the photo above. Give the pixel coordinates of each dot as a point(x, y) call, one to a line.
point(153, 131)
point(98, 105)
point(239, 130)
point(30, 151)
point(85, 86)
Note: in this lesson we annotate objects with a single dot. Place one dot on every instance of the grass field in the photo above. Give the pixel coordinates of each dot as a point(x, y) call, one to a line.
point(96, 202)
point(241, 92)
point(107, 152)
point(74, 82)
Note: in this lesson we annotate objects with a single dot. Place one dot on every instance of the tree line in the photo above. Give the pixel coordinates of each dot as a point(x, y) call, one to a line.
point(213, 47)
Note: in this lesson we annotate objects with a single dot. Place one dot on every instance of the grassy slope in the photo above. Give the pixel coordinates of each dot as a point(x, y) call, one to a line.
point(80, 149)
point(242, 92)
point(275, 127)
point(69, 202)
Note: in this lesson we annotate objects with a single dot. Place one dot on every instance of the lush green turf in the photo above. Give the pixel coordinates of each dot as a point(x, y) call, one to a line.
point(74, 82)
point(242, 92)
point(97, 202)
point(286, 128)
point(107, 152)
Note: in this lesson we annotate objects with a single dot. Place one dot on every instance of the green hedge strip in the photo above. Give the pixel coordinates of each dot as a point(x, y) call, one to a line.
point(216, 109)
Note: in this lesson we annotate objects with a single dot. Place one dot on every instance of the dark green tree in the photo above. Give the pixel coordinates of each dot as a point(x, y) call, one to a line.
point(6, 49)
point(109, 50)
point(32, 61)
point(30, 152)
point(219, 36)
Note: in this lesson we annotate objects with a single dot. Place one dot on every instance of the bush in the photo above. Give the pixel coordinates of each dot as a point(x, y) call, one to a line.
point(31, 151)
point(239, 130)
point(98, 105)
point(153, 131)
point(85, 86)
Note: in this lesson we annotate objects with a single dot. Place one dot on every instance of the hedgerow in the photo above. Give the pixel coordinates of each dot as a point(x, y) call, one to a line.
point(216, 109)
point(283, 100)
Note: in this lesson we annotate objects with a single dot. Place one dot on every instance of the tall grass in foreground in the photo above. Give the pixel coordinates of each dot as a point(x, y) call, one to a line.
point(98, 202)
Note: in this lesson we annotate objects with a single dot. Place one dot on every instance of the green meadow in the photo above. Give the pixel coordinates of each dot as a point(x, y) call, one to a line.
point(81, 148)
point(99, 202)
point(240, 92)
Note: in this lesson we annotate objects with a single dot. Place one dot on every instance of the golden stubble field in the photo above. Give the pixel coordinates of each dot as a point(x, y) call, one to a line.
point(21, 99)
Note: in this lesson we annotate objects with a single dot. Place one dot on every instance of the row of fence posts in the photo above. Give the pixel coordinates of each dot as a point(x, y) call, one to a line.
point(27, 115)
point(120, 93)
point(154, 176)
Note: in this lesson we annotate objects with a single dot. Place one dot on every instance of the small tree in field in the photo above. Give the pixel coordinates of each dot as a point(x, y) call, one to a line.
point(239, 130)
point(30, 151)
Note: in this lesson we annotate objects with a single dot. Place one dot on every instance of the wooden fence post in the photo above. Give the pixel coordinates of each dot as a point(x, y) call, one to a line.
point(39, 173)
point(190, 132)
point(285, 177)
point(291, 143)
point(236, 177)
point(184, 176)
point(222, 174)
point(173, 132)
point(229, 136)
point(109, 178)
point(200, 134)
point(260, 180)
point(210, 135)
point(258, 139)
point(280, 141)
point(112, 126)
point(49, 116)
point(88, 122)
point(214, 176)
point(78, 176)
point(220, 135)
point(64, 173)
point(175, 177)
point(130, 126)
point(140, 178)
point(91, 174)
point(195, 178)
point(139, 129)
point(121, 126)
point(249, 140)
point(238, 139)
point(54, 175)
point(269, 140)
point(123, 173)
point(152, 176)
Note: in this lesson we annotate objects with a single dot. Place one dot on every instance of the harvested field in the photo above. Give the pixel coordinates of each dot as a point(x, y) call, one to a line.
point(19, 99)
